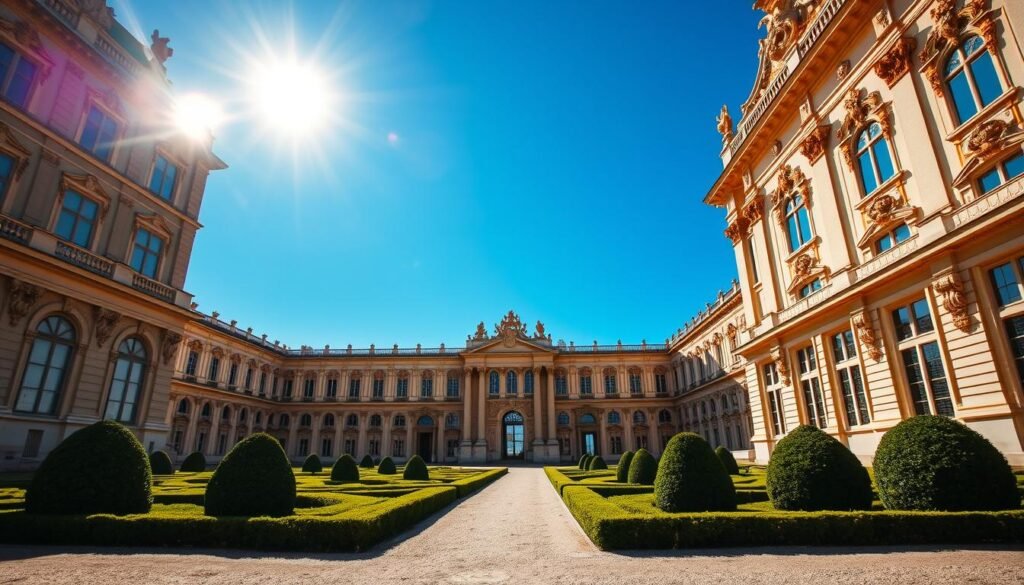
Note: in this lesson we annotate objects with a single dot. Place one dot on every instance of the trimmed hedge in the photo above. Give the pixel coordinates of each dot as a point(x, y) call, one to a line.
point(101, 468)
point(622, 469)
point(936, 463)
point(611, 527)
point(367, 462)
point(810, 470)
point(728, 461)
point(352, 530)
point(596, 463)
point(160, 463)
point(312, 464)
point(254, 479)
point(471, 484)
point(643, 468)
point(387, 467)
point(691, 478)
point(194, 463)
point(415, 468)
point(584, 461)
point(345, 469)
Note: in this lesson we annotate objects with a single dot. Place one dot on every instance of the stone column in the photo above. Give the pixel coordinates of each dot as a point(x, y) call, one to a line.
point(439, 443)
point(361, 441)
point(385, 441)
point(602, 436)
point(481, 408)
point(550, 396)
point(502, 382)
point(408, 436)
point(211, 445)
point(652, 434)
point(190, 433)
point(628, 441)
point(314, 438)
point(538, 418)
point(339, 426)
point(467, 408)
point(293, 431)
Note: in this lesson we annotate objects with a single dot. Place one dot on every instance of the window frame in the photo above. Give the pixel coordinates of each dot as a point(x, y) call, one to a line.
point(965, 69)
point(916, 342)
point(66, 370)
point(158, 254)
point(96, 221)
point(869, 150)
point(815, 403)
point(115, 142)
point(170, 161)
point(40, 71)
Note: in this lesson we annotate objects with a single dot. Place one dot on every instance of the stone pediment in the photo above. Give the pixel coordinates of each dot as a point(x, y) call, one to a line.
point(511, 345)
point(510, 336)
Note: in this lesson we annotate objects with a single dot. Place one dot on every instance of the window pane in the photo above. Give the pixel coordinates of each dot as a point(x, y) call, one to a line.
point(989, 181)
point(884, 243)
point(916, 381)
point(1014, 166)
point(805, 225)
point(881, 151)
point(867, 172)
point(985, 78)
point(847, 386)
point(21, 83)
point(862, 399)
point(937, 379)
point(6, 58)
point(794, 236)
point(901, 233)
point(1015, 332)
point(1004, 281)
point(963, 99)
point(922, 317)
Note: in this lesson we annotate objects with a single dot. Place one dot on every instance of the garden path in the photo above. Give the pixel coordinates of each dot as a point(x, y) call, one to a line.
point(514, 531)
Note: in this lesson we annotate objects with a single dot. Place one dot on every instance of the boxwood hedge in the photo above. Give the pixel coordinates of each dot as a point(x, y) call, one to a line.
point(160, 463)
point(622, 468)
point(810, 470)
point(254, 479)
point(194, 463)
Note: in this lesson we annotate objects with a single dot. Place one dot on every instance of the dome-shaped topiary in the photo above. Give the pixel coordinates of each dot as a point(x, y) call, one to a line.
point(366, 462)
point(312, 464)
point(160, 463)
point(728, 461)
point(584, 460)
point(622, 469)
point(194, 462)
point(254, 479)
point(643, 467)
point(345, 469)
point(100, 469)
point(811, 470)
point(691, 478)
point(596, 463)
point(936, 463)
point(415, 468)
point(386, 467)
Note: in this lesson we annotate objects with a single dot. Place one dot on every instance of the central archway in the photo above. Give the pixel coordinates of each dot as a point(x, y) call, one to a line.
point(513, 434)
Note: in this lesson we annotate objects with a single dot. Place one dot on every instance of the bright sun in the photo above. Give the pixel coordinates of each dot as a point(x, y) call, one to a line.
point(292, 97)
point(197, 115)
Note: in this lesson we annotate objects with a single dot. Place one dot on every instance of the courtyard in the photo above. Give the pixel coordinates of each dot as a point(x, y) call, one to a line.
point(515, 530)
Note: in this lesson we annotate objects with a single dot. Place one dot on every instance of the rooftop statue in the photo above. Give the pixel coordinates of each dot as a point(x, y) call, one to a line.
point(725, 125)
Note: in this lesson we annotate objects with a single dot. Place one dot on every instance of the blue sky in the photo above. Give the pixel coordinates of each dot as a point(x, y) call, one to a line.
point(546, 157)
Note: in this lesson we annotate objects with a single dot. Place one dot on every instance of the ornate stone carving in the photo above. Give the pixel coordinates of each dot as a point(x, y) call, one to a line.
point(731, 331)
point(776, 148)
point(986, 138)
point(161, 52)
point(725, 125)
point(790, 179)
point(170, 347)
point(813, 147)
point(842, 70)
point(784, 22)
point(859, 111)
point(954, 301)
point(895, 63)
point(948, 22)
point(21, 297)
point(105, 321)
point(510, 328)
point(779, 357)
point(754, 210)
point(866, 333)
point(737, 230)
point(217, 352)
point(881, 209)
point(803, 264)
point(481, 331)
point(538, 332)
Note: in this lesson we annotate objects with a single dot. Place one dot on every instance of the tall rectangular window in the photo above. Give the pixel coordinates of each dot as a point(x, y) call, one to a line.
point(561, 385)
point(214, 369)
point(325, 447)
point(332, 387)
point(453, 387)
point(1007, 285)
point(660, 384)
point(6, 172)
point(164, 177)
point(99, 133)
point(635, 385)
point(309, 388)
point(378, 388)
point(752, 251)
point(810, 384)
point(922, 359)
point(426, 387)
point(402, 387)
point(16, 76)
point(190, 363)
point(585, 387)
point(146, 253)
point(353, 387)
point(855, 404)
point(233, 375)
point(77, 219)
point(773, 388)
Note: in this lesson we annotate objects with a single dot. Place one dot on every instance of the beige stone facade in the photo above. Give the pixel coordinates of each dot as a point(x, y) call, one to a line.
point(873, 190)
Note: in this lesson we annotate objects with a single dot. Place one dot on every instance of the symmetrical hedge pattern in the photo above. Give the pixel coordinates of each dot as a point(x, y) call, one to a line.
point(691, 478)
point(415, 468)
point(936, 463)
point(387, 467)
point(100, 469)
point(367, 462)
point(810, 470)
point(728, 461)
point(596, 462)
point(584, 461)
point(253, 479)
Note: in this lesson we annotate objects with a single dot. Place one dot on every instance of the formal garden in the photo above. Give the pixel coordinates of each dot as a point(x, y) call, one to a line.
point(100, 488)
point(933, 481)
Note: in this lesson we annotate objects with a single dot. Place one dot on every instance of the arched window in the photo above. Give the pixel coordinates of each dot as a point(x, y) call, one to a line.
point(712, 401)
point(873, 158)
point(563, 419)
point(352, 420)
point(399, 420)
point(425, 421)
point(725, 404)
point(639, 418)
point(270, 420)
point(258, 418)
point(328, 420)
point(971, 78)
point(306, 420)
point(610, 384)
point(375, 420)
point(664, 416)
point(798, 223)
point(183, 406)
point(614, 418)
point(493, 383)
point(225, 413)
point(528, 382)
point(284, 421)
point(587, 419)
point(242, 415)
point(205, 412)
point(48, 361)
point(511, 382)
point(451, 421)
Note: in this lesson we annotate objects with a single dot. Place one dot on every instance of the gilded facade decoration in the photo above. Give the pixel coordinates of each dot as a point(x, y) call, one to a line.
point(954, 301)
point(895, 63)
point(813, 147)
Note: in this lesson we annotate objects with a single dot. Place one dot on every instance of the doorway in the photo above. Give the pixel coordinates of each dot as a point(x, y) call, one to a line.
point(424, 446)
point(589, 442)
point(513, 436)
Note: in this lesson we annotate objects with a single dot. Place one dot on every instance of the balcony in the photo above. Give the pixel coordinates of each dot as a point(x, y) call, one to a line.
point(84, 259)
point(401, 398)
point(152, 288)
point(352, 399)
point(14, 230)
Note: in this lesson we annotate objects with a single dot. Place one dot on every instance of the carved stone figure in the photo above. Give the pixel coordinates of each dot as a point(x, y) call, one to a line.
point(895, 63)
point(481, 331)
point(813, 147)
point(539, 332)
point(170, 347)
point(725, 125)
point(867, 336)
point(161, 52)
point(20, 299)
point(986, 138)
point(955, 301)
point(510, 328)
point(881, 209)
point(105, 322)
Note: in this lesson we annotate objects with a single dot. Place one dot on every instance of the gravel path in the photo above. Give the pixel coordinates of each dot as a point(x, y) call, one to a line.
point(514, 531)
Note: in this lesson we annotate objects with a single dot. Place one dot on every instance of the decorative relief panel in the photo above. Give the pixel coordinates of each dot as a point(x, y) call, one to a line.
point(862, 108)
point(814, 146)
point(949, 24)
point(953, 300)
point(895, 63)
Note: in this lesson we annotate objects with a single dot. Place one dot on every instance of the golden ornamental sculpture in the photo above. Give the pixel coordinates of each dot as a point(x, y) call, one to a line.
point(789, 179)
point(866, 333)
point(754, 211)
point(737, 230)
point(725, 125)
point(986, 138)
point(481, 331)
point(954, 301)
point(539, 331)
point(895, 63)
point(510, 328)
point(779, 357)
point(813, 147)
point(861, 109)
point(948, 23)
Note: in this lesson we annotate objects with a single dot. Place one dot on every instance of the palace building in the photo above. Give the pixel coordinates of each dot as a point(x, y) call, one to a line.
point(872, 191)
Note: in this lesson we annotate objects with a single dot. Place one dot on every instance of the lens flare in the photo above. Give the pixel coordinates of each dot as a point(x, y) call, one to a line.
point(292, 97)
point(197, 115)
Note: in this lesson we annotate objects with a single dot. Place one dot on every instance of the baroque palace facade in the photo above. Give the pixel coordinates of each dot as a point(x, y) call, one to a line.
point(872, 191)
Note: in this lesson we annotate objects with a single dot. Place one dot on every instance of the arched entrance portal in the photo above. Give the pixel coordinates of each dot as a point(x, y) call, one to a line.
point(513, 435)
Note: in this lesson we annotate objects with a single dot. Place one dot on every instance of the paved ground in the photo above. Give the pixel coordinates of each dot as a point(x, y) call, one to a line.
point(514, 531)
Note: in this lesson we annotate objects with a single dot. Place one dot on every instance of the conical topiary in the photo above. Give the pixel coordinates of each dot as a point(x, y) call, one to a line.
point(345, 469)
point(366, 462)
point(254, 479)
point(643, 467)
point(622, 469)
point(728, 461)
point(937, 463)
point(195, 462)
point(691, 478)
point(386, 467)
point(312, 464)
point(100, 469)
point(160, 463)
point(596, 463)
point(415, 468)
point(810, 470)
